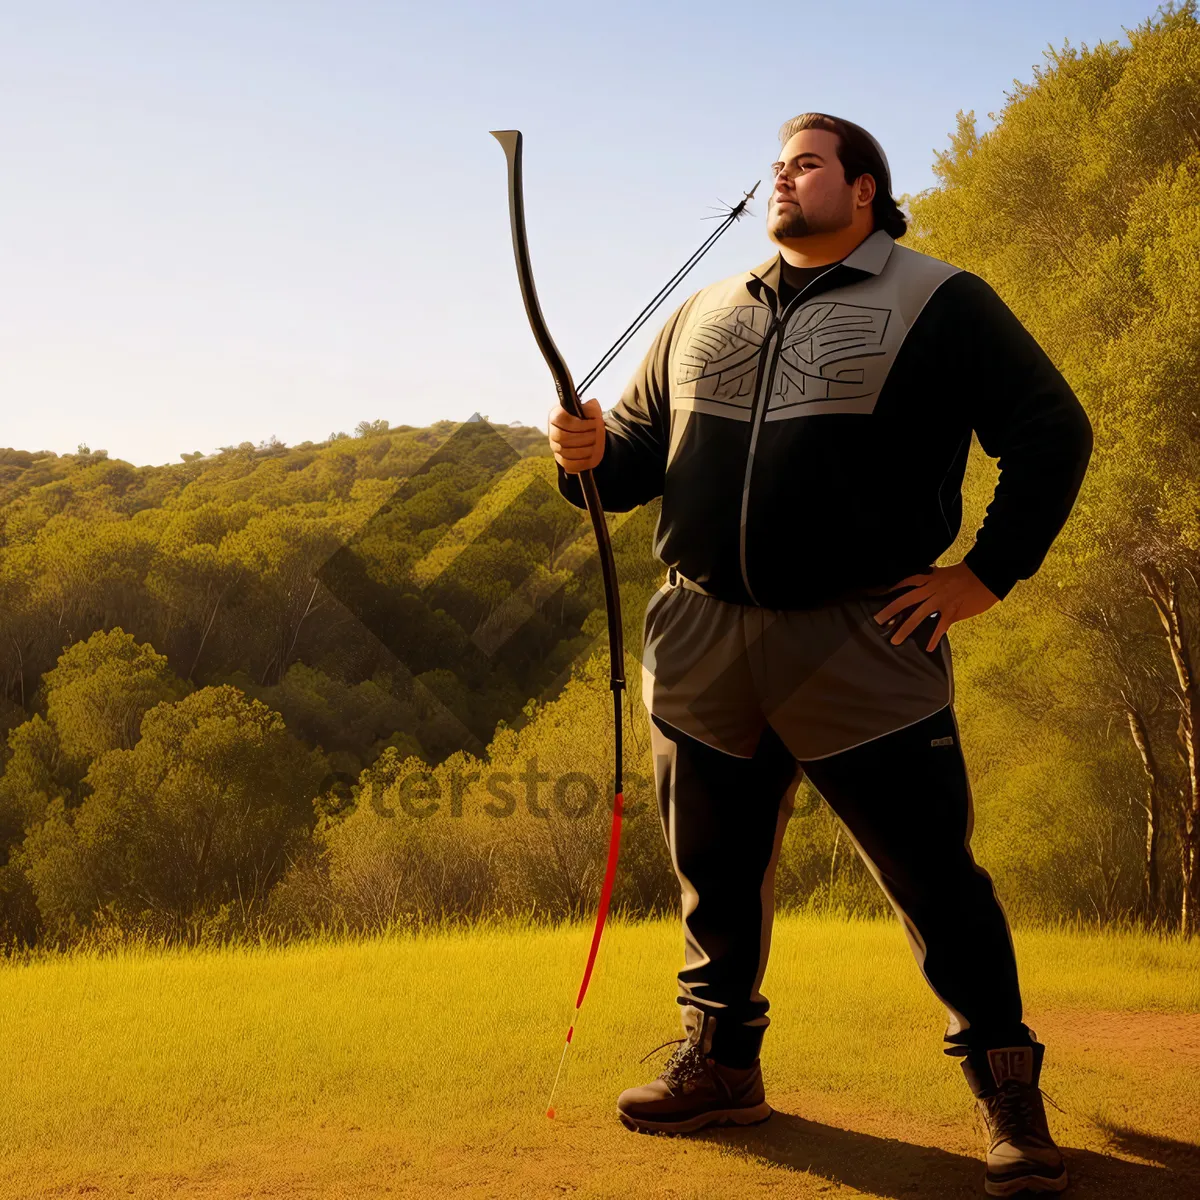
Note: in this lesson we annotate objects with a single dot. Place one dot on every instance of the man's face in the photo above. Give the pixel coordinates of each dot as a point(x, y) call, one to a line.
point(810, 193)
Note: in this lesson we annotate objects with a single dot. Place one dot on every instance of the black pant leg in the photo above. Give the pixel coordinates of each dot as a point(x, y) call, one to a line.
point(906, 800)
point(724, 818)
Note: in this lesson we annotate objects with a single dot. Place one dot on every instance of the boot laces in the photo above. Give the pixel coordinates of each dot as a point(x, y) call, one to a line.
point(685, 1062)
point(1013, 1111)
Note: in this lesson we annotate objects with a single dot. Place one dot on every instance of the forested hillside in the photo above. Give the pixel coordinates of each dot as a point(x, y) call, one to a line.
point(1082, 208)
point(365, 681)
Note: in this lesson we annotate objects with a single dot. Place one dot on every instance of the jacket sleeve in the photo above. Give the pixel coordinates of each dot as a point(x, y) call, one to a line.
point(637, 431)
point(1026, 415)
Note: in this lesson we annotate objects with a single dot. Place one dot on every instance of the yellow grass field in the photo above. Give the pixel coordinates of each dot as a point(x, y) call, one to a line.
point(421, 1066)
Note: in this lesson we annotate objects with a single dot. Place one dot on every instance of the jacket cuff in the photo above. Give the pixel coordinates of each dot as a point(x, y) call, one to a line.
point(998, 579)
point(569, 487)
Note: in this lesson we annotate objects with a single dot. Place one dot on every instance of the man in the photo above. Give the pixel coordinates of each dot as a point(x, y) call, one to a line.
point(807, 425)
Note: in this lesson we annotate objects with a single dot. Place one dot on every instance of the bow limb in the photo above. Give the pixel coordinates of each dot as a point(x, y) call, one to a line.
point(511, 140)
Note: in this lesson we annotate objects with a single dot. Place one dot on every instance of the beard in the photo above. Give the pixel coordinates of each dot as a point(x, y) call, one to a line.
point(790, 222)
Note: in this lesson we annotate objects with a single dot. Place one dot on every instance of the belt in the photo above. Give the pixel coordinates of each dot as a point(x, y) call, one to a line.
point(674, 579)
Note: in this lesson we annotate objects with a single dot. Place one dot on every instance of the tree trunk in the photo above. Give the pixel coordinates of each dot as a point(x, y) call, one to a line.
point(1165, 595)
point(1153, 807)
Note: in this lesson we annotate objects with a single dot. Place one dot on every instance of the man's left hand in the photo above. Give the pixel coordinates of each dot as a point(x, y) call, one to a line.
point(953, 592)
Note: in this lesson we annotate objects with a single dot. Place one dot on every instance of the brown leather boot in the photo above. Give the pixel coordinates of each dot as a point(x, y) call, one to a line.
point(1021, 1154)
point(694, 1090)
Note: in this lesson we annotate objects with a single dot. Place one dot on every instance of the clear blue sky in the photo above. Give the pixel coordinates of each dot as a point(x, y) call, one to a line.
point(225, 221)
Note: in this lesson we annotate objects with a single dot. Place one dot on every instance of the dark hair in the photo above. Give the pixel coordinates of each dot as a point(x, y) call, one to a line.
point(860, 154)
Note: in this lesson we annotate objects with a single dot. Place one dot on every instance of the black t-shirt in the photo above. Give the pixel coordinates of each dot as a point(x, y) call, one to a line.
point(794, 279)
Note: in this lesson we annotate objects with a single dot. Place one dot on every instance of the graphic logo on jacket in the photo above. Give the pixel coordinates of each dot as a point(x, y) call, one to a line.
point(825, 356)
point(832, 356)
point(720, 362)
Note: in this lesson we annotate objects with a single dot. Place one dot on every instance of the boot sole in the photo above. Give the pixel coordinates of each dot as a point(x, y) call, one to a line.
point(718, 1116)
point(1020, 1184)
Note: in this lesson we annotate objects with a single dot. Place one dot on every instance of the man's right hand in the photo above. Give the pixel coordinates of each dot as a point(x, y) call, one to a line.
point(578, 445)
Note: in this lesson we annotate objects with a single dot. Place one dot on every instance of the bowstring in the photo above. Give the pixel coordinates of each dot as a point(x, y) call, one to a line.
point(734, 214)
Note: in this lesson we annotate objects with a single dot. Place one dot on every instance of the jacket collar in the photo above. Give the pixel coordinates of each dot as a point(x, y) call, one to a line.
point(869, 256)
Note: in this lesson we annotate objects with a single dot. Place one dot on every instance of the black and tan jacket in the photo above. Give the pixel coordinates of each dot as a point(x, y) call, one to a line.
point(805, 454)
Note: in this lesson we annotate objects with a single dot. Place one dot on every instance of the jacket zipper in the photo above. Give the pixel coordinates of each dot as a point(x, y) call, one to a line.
point(778, 326)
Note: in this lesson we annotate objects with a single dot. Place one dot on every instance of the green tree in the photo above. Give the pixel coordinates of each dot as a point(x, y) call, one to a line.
point(99, 692)
point(1104, 268)
point(202, 811)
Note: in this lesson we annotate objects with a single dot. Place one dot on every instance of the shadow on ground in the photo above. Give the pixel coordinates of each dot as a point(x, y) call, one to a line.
point(892, 1168)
